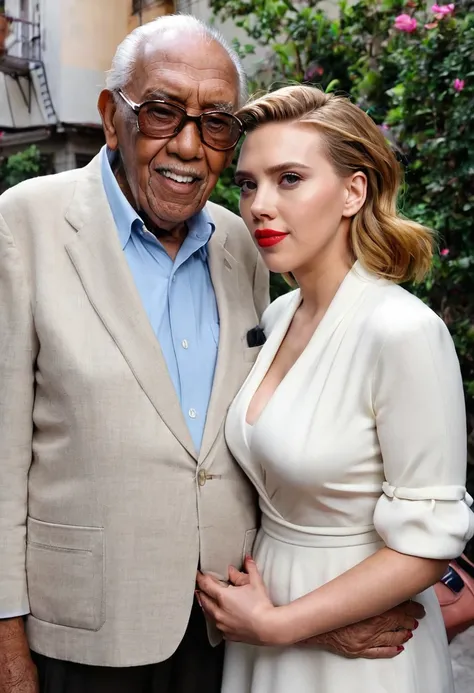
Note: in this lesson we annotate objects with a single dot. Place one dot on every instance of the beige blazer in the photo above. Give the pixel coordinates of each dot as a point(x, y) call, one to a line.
point(105, 505)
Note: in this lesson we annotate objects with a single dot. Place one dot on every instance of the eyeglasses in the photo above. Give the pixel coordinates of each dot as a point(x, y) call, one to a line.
point(159, 119)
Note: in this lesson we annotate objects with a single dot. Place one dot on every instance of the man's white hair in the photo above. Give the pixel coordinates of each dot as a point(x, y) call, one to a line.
point(123, 63)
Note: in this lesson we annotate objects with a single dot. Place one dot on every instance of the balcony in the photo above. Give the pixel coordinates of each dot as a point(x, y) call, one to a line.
point(20, 46)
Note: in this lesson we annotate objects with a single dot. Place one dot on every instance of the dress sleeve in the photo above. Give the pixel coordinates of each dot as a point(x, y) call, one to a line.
point(421, 426)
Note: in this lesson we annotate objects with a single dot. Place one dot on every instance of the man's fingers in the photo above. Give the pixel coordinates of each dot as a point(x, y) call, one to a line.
point(380, 653)
point(401, 621)
point(413, 609)
point(394, 638)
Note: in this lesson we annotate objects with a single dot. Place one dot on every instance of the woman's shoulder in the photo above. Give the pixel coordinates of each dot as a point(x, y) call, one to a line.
point(399, 314)
point(277, 309)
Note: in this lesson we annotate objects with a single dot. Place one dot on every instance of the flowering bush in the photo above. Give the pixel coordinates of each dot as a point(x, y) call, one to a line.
point(410, 67)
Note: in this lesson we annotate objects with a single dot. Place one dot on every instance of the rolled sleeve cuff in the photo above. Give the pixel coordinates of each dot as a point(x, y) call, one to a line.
point(432, 522)
point(12, 614)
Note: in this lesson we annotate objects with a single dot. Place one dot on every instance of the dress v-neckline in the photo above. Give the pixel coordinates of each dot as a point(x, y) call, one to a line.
point(350, 289)
point(293, 307)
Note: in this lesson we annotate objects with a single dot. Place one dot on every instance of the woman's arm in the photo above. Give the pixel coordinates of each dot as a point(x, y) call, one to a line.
point(422, 516)
point(376, 585)
point(382, 581)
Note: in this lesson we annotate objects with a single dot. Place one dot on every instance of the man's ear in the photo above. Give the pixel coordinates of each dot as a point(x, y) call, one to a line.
point(107, 109)
point(356, 194)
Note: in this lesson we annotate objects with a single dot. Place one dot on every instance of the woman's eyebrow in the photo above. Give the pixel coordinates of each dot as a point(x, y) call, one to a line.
point(285, 166)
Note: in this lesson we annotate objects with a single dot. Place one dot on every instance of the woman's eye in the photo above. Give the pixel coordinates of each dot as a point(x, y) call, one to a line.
point(246, 186)
point(290, 179)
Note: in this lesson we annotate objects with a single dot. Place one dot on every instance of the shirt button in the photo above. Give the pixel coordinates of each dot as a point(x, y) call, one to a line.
point(174, 278)
point(202, 478)
point(184, 344)
point(192, 413)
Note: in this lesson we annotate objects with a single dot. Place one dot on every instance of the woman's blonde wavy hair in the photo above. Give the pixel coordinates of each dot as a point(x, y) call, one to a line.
point(386, 243)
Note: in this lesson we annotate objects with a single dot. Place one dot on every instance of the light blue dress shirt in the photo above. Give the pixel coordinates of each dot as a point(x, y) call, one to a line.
point(178, 298)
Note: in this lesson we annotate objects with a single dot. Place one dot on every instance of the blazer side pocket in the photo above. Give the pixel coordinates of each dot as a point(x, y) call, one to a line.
point(65, 572)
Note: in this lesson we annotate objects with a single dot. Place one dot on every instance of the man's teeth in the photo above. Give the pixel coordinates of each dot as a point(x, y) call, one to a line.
point(178, 179)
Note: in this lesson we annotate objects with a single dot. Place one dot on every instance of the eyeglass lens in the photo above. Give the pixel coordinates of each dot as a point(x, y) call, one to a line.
point(219, 130)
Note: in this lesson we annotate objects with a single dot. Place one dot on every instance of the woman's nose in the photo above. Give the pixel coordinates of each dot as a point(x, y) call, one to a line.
point(263, 206)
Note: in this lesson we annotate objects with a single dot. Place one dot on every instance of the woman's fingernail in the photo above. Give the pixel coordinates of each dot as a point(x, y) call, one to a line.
point(400, 648)
point(410, 635)
point(249, 558)
point(417, 623)
point(198, 598)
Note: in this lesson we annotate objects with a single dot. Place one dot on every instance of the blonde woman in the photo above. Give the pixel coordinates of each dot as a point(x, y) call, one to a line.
point(351, 424)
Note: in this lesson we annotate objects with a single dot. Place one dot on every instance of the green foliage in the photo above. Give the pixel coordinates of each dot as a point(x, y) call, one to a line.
point(19, 167)
point(226, 193)
point(406, 82)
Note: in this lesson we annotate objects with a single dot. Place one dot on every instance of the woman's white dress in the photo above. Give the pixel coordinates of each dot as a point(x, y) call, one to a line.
point(362, 444)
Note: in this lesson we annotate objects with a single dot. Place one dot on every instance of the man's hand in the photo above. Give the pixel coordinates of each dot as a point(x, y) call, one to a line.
point(380, 637)
point(17, 672)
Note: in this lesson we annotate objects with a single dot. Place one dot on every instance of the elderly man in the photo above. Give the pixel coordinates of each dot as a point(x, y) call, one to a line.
point(125, 301)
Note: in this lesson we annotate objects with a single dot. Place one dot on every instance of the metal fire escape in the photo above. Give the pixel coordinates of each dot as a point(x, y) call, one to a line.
point(20, 59)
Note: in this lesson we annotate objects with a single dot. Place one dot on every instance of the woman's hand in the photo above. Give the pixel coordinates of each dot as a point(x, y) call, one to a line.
point(242, 611)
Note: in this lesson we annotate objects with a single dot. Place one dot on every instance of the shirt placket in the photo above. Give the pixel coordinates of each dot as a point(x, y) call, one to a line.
point(180, 302)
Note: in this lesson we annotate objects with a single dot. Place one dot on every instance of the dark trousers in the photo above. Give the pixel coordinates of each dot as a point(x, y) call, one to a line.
point(195, 667)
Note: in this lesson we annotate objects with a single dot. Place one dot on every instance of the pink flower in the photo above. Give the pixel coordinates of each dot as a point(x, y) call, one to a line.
point(405, 23)
point(431, 25)
point(443, 10)
point(313, 72)
point(458, 84)
point(444, 252)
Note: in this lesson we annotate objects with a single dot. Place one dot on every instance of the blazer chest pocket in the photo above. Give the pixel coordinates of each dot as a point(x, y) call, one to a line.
point(65, 572)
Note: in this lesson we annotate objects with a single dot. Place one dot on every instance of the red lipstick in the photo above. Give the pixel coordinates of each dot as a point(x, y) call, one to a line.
point(268, 237)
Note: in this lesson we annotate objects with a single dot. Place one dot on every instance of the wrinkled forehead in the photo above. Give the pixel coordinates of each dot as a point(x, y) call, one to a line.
point(192, 70)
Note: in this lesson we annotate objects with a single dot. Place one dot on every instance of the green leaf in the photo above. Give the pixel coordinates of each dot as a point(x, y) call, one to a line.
point(332, 86)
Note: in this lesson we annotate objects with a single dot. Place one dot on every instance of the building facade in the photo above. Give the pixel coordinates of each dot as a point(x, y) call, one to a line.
point(53, 57)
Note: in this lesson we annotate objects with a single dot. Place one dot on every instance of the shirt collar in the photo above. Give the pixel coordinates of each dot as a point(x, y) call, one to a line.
point(200, 229)
point(200, 226)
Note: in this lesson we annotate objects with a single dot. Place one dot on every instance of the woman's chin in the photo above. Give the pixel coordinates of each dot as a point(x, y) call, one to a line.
point(277, 267)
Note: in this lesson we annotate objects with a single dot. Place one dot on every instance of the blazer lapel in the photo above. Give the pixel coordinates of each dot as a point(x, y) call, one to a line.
point(227, 380)
point(100, 262)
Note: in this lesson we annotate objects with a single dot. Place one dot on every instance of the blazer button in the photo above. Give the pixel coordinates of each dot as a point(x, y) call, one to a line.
point(202, 477)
